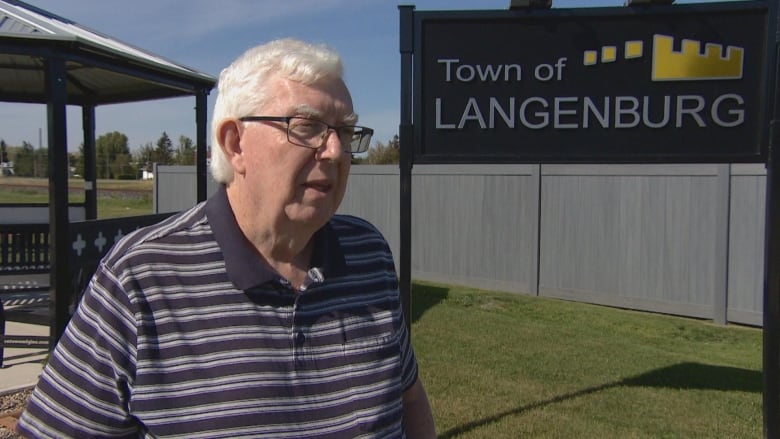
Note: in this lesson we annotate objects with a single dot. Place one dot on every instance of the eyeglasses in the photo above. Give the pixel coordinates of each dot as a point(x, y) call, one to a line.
point(313, 133)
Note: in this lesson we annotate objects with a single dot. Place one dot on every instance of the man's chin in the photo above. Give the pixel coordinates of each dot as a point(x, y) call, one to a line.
point(312, 215)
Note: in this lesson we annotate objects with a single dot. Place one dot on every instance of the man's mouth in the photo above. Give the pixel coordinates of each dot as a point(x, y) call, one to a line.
point(321, 186)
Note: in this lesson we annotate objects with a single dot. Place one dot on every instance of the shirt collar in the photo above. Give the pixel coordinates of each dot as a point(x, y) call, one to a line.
point(244, 265)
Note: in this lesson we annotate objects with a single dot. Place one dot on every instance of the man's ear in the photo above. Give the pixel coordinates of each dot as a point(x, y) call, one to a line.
point(229, 138)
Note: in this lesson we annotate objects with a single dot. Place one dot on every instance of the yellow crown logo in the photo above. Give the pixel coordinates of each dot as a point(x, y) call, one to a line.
point(690, 64)
point(669, 65)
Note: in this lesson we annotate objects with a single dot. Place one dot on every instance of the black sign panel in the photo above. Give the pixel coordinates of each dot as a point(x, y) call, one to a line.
point(679, 83)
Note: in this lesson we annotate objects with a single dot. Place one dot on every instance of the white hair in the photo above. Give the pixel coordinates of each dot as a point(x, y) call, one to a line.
point(243, 85)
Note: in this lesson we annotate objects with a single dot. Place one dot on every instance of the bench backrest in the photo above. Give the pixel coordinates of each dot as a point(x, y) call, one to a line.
point(24, 248)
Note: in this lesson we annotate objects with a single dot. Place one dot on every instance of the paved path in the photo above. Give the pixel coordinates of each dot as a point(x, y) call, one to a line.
point(22, 366)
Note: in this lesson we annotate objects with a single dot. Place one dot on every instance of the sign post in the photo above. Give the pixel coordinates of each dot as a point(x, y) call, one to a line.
point(407, 159)
point(772, 254)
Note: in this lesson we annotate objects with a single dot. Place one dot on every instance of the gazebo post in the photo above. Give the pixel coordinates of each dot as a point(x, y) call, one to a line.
point(90, 177)
point(201, 142)
point(58, 195)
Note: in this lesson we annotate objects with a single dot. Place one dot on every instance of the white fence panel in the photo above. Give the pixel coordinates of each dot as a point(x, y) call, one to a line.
point(642, 237)
point(747, 217)
point(678, 239)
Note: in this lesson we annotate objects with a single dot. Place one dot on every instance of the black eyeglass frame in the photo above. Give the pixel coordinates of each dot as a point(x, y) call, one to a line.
point(363, 132)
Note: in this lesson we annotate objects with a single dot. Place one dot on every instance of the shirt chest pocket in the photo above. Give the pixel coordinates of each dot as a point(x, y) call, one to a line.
point(370, 335)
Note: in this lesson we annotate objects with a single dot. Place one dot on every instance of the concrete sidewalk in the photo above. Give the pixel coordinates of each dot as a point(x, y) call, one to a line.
point(22, 366)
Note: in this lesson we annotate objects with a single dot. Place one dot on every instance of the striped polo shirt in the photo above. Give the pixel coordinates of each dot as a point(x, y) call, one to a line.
point(184, 331)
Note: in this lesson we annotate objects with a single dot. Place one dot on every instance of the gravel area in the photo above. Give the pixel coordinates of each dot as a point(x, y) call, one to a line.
point(11, 405)
point(8, 434)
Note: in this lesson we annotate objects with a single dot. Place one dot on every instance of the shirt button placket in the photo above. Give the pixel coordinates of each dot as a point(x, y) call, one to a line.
point(299, 337)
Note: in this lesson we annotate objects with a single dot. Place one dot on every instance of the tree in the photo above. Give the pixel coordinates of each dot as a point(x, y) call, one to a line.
point(41, 163)
point(380, 154)
point(145, 157)
point(185, 153)
point(79, 163)
point(3, 152)
point(25, 161)
point(163, 154)
point(395, 142)
point(108, 147)
point(76, 162)
point(122, 168)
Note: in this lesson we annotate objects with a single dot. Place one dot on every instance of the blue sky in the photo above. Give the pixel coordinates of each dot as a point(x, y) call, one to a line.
point(208, 34)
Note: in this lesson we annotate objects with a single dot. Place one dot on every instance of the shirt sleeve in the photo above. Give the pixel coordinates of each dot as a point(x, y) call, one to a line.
point(84, 388)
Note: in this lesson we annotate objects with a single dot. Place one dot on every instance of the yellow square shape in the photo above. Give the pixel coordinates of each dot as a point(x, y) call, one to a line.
point(608, 54)
point(591, 57)
point(634, 49)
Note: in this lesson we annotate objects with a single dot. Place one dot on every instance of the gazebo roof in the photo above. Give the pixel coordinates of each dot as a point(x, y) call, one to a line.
point(100, 69)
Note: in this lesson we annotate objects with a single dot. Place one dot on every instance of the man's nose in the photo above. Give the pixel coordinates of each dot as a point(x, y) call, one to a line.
point(333, 147)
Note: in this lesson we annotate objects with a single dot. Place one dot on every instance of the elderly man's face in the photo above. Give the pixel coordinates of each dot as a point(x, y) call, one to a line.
point(292, 182)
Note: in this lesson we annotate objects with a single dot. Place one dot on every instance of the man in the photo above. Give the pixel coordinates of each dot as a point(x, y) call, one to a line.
point(257, 313)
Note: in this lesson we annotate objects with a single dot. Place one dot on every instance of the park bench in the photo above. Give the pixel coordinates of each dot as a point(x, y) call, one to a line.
point(25, 265)
point(24, 276)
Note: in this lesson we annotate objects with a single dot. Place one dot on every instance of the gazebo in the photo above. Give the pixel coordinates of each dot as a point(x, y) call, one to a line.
point(48, 59)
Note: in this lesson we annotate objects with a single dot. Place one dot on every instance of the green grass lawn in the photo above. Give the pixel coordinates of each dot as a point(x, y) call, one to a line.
point(116, 206)
point(119, 197)
point(506, 366)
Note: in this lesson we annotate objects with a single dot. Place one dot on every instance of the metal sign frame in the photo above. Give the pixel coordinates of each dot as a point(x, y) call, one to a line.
point(492, 124)
point(597, 85)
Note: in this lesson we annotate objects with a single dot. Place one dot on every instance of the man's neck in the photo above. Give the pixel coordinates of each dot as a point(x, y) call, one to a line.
point(285, 246)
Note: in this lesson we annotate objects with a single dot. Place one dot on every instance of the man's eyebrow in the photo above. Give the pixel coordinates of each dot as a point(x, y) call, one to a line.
point(305, 110)
point(350, 119)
